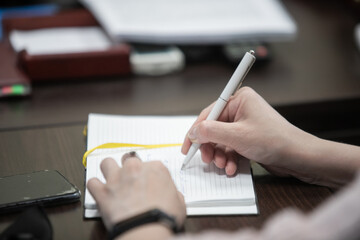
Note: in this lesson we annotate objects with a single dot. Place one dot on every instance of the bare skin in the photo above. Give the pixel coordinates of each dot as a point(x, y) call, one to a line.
point(249, 127)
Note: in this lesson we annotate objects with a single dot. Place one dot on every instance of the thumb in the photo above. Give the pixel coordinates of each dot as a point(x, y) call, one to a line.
point(209, 131)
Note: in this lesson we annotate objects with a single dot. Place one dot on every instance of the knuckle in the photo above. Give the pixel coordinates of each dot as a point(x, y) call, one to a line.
point(133, 166)
point(247, 91)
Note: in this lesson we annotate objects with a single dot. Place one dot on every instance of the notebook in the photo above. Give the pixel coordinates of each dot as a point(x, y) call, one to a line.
point(193, 21)
point(207, 189)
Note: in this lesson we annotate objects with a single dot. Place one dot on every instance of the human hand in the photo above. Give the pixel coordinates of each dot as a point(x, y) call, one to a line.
point(135, 188)
point(248, 126)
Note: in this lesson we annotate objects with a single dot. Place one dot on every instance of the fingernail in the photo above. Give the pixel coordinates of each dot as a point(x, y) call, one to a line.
point(133, 154)
point(129, 155)
point(193, 134)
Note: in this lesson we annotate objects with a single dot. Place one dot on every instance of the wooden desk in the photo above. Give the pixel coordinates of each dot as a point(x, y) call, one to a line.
point(313, 77)
point(61, 148)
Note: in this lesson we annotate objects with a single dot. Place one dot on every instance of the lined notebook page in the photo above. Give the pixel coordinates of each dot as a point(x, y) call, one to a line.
point(203, 185)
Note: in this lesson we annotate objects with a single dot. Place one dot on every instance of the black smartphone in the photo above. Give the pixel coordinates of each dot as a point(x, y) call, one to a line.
point(47, 187)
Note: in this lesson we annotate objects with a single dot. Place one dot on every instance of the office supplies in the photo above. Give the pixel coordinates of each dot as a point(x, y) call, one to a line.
point(156, 60)
point(235, 51)
point(72, 39)
point(15, 90)
point(193, 22)
point(13, 83)
point(207, 189)
point(234, 83)
point(47, 187)
point(72, 59)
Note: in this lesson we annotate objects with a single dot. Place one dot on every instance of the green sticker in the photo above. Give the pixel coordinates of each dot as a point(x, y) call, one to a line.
point(18, 89)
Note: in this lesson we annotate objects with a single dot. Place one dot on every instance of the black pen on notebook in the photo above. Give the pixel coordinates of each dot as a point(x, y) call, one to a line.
point(231, 87)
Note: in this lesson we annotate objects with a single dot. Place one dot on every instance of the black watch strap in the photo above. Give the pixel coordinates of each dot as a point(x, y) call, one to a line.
point(151, 216)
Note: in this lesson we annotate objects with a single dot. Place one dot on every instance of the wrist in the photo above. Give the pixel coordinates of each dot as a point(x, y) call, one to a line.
point(302, 152)
point(139, 223)
point(296, 157)
point(148, 231)
point(293, 145)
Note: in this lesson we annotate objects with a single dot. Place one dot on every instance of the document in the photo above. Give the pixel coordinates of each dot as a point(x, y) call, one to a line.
point(207, 189)
point(193, 21)
point(60, 40)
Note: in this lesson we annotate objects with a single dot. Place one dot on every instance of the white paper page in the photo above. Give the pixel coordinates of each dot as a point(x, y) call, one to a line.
point(193, 21)
point(203, 185)
point(60, 40)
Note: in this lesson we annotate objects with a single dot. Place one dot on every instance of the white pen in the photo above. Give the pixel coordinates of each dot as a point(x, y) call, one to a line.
point(231, 87)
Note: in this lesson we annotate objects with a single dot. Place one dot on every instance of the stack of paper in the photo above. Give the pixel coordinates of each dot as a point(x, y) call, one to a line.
point(60, 40)
point(193, 21)
point(207, 189)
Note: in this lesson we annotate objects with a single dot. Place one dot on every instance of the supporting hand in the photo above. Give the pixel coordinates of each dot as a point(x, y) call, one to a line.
point(134, 189)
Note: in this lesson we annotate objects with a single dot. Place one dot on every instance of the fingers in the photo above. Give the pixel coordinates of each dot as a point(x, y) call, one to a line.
point(132, 164)
point(210, 131)
point(109, 167)
point(222, 158)
point(226, 134)
point(186, 145)
point(96, 188)
point(231, 163)
point(130, 156)
point(235, 105)
point(203, 115)
point(207, 152)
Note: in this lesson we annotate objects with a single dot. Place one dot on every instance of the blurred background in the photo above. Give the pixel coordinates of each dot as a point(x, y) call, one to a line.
point(310, 73)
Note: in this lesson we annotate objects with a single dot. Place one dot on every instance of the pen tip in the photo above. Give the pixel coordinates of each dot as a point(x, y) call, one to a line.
point(252, 52)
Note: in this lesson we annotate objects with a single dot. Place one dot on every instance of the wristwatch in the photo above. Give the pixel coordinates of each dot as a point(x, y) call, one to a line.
point(151, 216)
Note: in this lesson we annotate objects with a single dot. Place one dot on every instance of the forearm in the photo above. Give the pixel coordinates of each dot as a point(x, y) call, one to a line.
point(337, 218)
point(154, 231)
point(340, 161)
point(324, 162)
